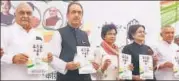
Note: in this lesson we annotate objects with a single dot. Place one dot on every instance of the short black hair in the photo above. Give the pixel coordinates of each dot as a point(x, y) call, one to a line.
point(72, 3)
point(31, 5)
point(106, 28)
point(132, 30)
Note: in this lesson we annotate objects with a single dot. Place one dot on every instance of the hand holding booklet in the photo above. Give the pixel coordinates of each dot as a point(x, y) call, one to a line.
point(146, 66)
point(82, 57)
point(36, 63)
point(176, 66)
point(124, 72)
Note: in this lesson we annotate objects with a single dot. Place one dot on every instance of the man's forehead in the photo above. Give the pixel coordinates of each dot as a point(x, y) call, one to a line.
point(167, 29)
point(75, 7)
point(25, 9)
point(4, 1)
point(53, 8)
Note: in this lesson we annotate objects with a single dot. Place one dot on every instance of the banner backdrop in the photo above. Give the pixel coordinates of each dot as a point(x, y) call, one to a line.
point(170, 14)
point(52, 15)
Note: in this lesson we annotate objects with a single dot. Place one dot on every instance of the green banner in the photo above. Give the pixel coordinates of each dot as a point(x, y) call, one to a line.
point(169, 13)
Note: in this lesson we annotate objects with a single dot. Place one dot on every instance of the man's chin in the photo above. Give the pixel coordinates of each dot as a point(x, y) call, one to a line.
point(76, 24)
point(25, 24)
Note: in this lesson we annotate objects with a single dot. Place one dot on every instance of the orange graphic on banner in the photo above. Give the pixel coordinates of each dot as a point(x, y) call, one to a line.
point(87, 28)
point(167, 3)
point(48, 36)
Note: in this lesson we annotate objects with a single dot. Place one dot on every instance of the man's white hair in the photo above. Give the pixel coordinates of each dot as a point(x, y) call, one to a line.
point(166, 26)
point(22, 4)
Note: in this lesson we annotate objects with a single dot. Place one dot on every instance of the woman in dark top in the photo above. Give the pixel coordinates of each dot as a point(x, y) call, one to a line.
point(136, 33)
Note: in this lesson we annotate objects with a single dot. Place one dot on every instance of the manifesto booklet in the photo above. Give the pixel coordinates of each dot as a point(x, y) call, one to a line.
point(146, 66)
point(124, 71)
point(37, 62)
point(176, 65)
point(82, 56)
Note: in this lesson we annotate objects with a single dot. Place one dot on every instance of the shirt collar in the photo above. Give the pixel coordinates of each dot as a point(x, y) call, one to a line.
point(20, 28)
point(72, 28)
point(166, 43)
point(137, 44)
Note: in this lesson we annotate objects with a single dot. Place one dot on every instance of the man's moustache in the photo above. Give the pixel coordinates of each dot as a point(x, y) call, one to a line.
point(24, 19)
point(76, 19)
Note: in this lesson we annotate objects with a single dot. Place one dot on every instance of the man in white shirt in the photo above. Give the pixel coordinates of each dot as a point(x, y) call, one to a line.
point(15, 42)
point(166, 51)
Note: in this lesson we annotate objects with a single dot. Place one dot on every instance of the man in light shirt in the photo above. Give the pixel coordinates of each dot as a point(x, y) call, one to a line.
point(166, 51)
point(15, 42)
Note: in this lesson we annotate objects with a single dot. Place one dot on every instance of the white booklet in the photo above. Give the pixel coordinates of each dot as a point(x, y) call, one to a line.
point(146, 66)
point(83, 58)
point(124, 72)
point(176, 65)
point(37, 62)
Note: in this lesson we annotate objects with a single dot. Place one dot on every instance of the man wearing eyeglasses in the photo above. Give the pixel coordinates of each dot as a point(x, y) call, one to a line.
point(15, 46)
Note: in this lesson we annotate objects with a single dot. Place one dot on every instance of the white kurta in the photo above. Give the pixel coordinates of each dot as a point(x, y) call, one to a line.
point(15, 40)
point(166, 52)
point(111, 73)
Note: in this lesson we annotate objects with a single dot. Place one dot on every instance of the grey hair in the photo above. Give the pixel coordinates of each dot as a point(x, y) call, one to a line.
point(177, 36)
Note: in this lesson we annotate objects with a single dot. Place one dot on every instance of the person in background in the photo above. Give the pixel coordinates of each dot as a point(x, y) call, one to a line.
point(6, 17)
point(2, 52)
point(176, 40)
point(166, 51)
point(52, 20)
point(136, 33)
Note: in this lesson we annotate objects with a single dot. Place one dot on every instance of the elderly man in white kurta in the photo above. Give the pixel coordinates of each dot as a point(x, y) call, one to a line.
point(15, 42)
point(166, 51)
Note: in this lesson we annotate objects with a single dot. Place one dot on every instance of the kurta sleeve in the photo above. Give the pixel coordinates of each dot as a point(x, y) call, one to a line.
point(161, 60)
point(55, 45)
point(5, 40)
point(98, 59)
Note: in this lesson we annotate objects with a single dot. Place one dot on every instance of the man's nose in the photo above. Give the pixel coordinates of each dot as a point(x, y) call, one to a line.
point(171, 34)
point(25, 15)
point(76, 14)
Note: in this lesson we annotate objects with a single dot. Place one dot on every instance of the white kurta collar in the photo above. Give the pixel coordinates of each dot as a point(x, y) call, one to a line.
point(166, 43)
point(21, 29)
